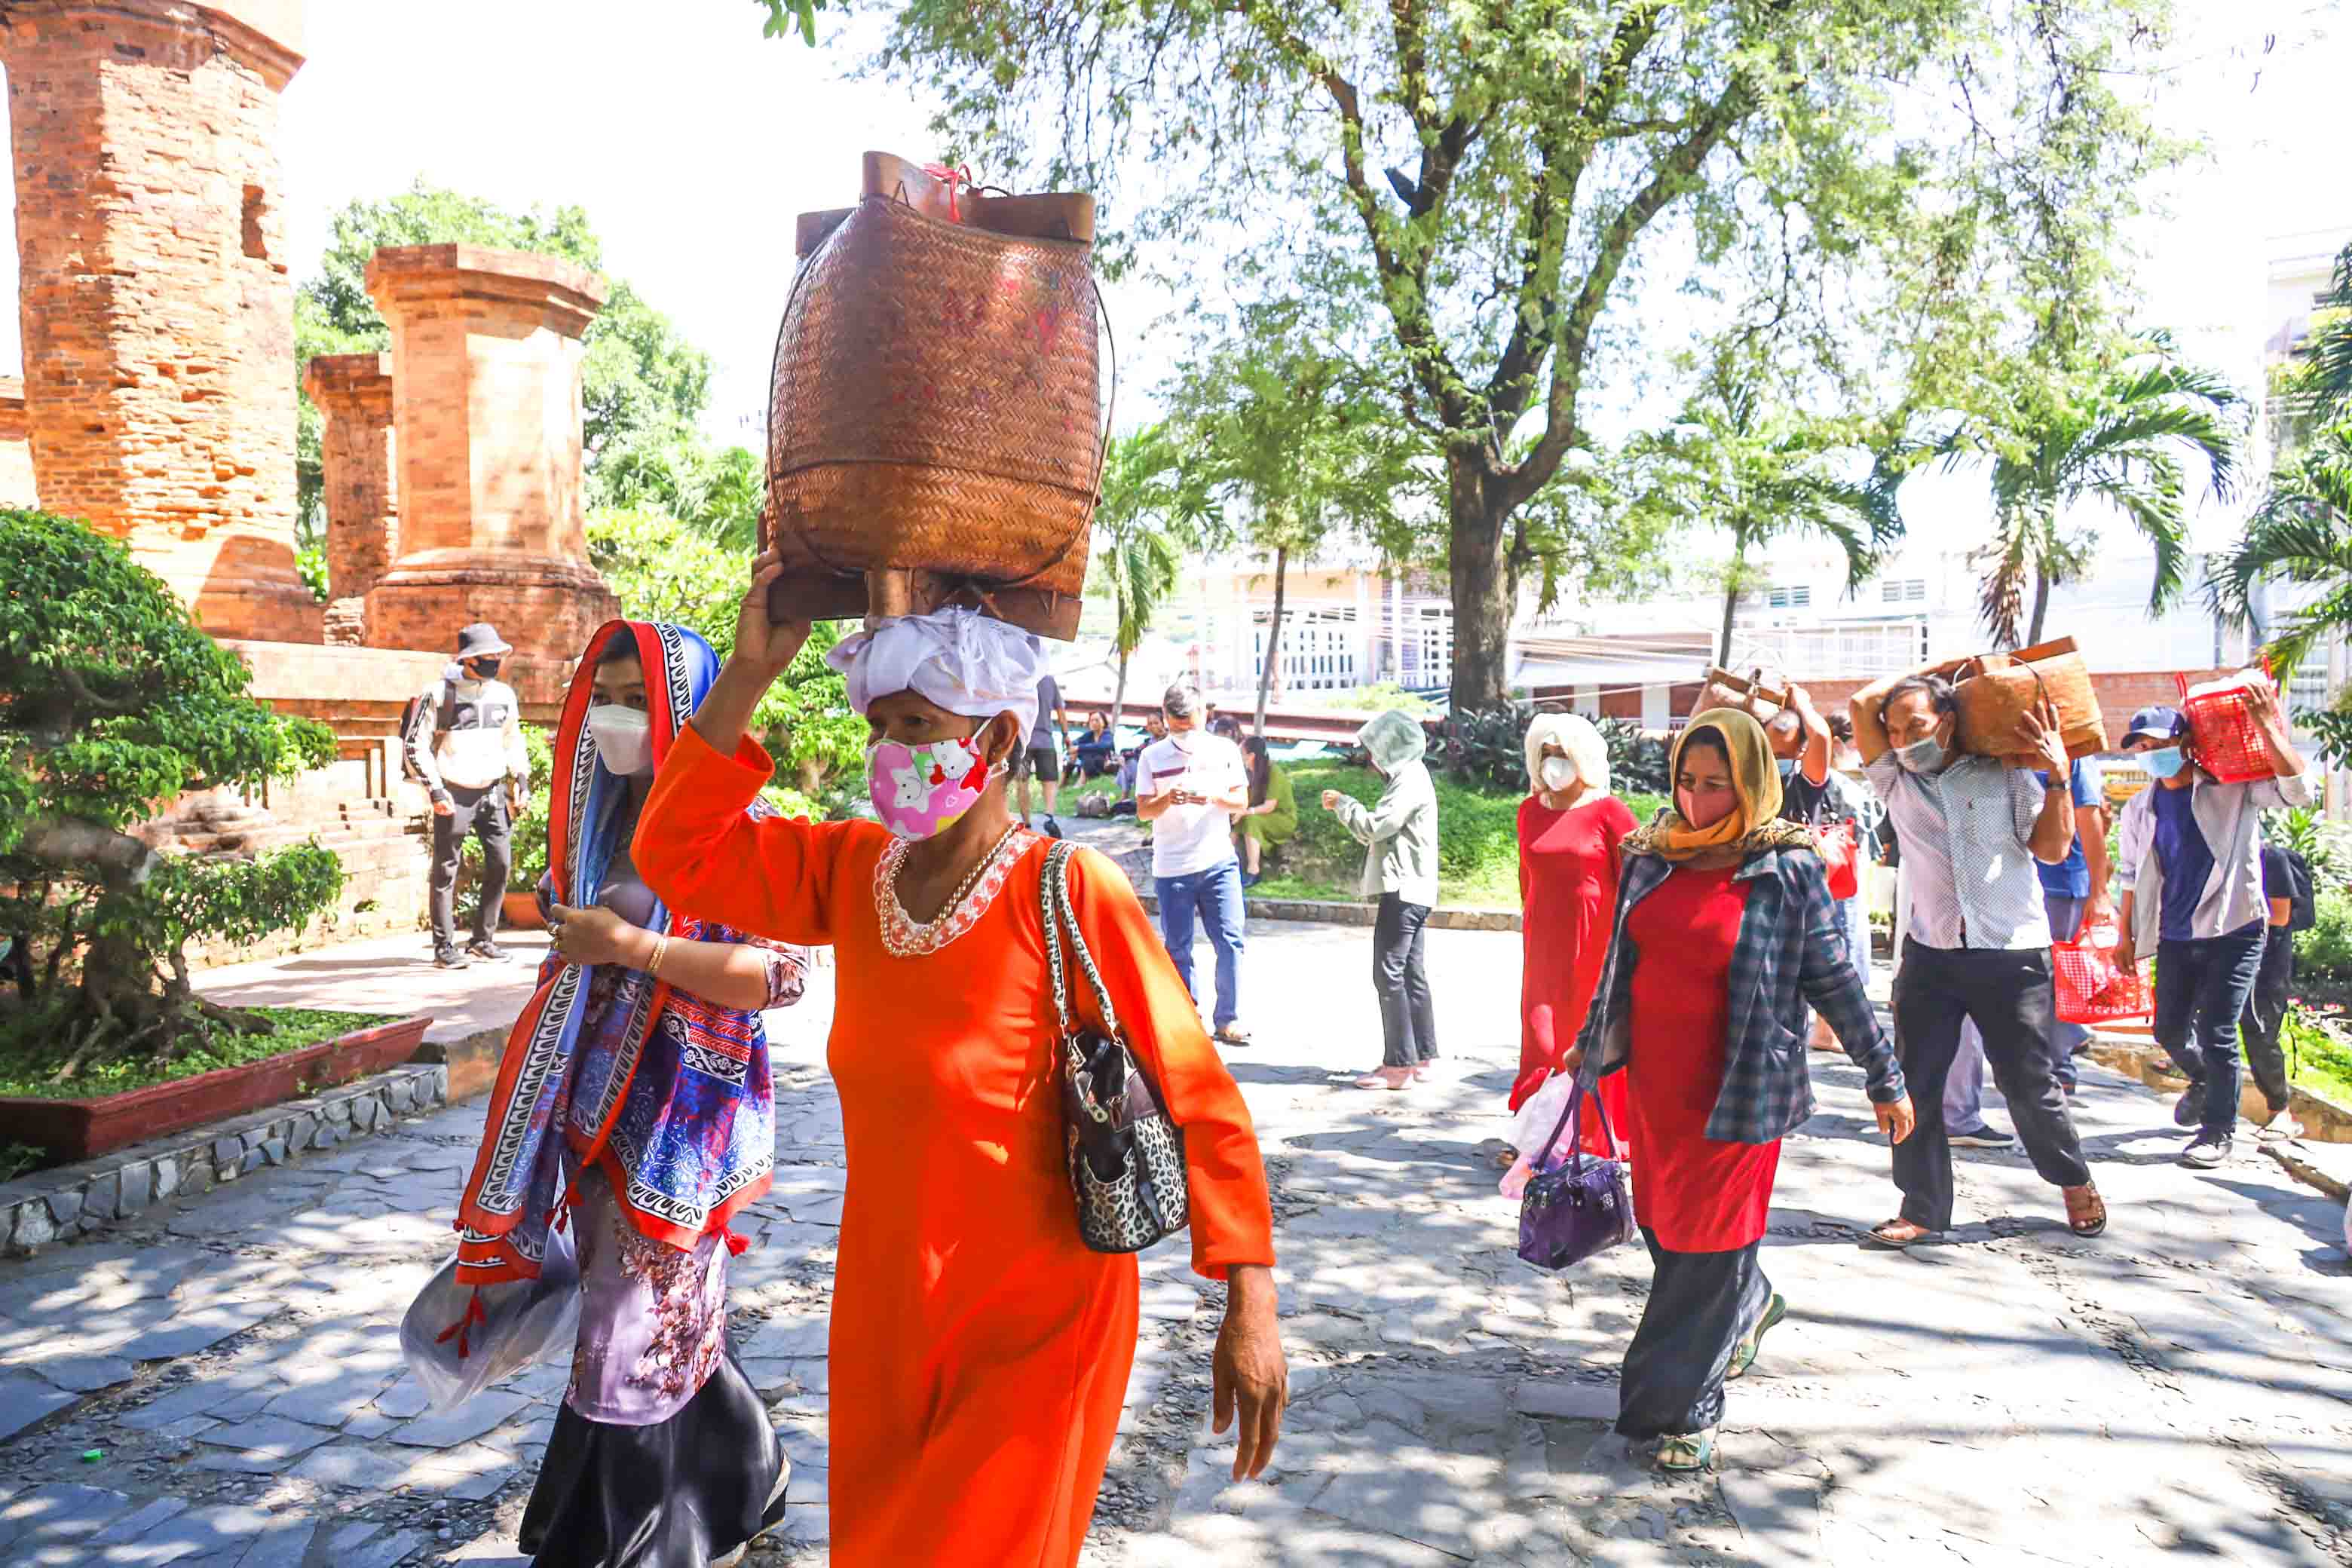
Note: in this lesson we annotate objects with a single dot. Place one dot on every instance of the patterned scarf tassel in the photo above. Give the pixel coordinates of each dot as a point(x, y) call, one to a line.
point(463, 1327)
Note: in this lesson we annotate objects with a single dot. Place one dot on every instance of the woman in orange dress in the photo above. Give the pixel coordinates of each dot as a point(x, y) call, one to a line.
point(980, 1352)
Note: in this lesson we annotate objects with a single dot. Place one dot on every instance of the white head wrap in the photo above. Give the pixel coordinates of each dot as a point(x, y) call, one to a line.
point(966, 662)
point(1587, 751)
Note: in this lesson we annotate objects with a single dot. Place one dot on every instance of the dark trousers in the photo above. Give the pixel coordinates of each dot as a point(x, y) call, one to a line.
point(2265, 1018)
point(1408, 1018)
point(2006, 994)
point(482, 813)
point(1701, 1305)
point(2201, 987)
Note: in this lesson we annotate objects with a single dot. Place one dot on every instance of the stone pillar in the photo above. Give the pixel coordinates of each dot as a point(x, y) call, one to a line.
point(16, 487)
point(357, 446)
point(486, 391)
point(158, 316)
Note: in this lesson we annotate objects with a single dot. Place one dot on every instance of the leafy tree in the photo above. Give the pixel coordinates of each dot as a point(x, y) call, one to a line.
point(641, 382)
point(1762, 473)
point(715, 488)
point(2110, 430)
point(113, 704)
point(1274, 426)
point(1136, 562)
point(665, 570)
point(1477, 189)
point(788, 15)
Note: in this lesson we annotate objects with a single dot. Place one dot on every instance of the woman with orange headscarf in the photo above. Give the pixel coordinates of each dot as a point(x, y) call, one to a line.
point(1734, 906)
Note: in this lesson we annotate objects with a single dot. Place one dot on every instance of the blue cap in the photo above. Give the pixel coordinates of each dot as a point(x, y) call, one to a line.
point(2158, 722)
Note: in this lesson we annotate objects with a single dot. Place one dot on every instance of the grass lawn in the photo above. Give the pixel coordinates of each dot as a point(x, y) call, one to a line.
point(2318, 1056)
point(27, 1064)
point(1477, 839)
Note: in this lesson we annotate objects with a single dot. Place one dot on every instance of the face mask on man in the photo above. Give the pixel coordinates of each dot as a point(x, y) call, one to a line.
point(1788, 766)
point(1558, 774)
point(1924, 755)
point(623, 737)
point(483, 669)
point(919, 792)
point(2164, 762)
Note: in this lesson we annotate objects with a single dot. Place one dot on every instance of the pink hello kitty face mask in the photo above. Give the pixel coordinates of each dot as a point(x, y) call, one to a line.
point(920, 791)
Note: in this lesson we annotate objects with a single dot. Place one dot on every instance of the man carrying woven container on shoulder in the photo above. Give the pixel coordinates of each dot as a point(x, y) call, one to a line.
point(1977, 946)
point(2189, 860)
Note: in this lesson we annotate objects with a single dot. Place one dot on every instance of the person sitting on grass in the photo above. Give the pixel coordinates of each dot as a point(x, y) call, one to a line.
point(1273, 813)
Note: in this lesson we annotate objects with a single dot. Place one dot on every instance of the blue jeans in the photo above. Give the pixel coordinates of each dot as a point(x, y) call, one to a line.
point(2201, 987)
point(1215, 897)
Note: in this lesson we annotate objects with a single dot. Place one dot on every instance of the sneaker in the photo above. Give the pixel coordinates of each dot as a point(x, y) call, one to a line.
point(448, 958)
point(1981, 1136)
point(2209, 1151)
point(2282, 1128)
point(484, 948)
point(2190, 1108)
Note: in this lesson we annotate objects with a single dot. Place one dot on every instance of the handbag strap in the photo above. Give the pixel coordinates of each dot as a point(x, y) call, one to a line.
point(1059, 914)
point(1568, 1119)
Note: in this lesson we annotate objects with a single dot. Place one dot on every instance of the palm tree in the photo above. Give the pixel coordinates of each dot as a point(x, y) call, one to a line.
point(2300, 532)
point(2116, 435)
point(2328, 370)
point(1136, 565)
point(1761, 474)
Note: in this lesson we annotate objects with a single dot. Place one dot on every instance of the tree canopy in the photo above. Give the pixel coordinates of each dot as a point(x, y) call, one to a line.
point(1489, 195)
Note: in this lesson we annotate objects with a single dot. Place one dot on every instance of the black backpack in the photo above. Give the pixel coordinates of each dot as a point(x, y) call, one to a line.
point(2302, 902)
point(411, 719)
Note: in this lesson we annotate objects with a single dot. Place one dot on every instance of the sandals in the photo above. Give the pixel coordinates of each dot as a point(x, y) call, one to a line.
point(1744, 1355)
point(1233, 1035)
point(1888, 1235)
point(1686, 1454)
point(2087, 1211)
point(1391, 1078)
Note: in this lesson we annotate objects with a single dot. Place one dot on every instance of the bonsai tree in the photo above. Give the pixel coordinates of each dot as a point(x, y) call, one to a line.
point(113, 704)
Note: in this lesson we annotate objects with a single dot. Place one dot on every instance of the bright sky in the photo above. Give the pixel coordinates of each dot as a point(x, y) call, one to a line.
point(692, 143)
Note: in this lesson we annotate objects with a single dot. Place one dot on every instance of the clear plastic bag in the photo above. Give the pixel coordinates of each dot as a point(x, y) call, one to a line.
point(459, 1339)
point(1541, 1114)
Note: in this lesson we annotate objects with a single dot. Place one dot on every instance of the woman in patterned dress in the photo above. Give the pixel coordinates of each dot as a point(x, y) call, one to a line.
point(635, 1104)
point(980, 1352)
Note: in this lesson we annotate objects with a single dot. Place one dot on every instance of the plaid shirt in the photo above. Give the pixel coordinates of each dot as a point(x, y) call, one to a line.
point(1791, 950)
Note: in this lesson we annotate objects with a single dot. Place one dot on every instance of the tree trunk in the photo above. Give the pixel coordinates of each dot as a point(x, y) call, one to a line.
point(1734, 578)
point(1274, 638)
point(1118, 702)
point(2040, 608)
point(1483, 587)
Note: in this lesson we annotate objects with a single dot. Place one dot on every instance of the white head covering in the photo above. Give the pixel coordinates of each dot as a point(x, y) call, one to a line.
point(1588, 754)
point(966, 662)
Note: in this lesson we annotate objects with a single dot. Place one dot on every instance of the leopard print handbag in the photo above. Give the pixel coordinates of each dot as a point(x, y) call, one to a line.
point(1126, 1155)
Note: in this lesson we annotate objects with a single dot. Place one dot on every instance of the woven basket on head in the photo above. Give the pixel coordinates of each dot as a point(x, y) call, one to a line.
point(934, 408)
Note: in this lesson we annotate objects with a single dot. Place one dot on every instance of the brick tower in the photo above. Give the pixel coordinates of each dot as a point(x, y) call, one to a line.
point(158, 315)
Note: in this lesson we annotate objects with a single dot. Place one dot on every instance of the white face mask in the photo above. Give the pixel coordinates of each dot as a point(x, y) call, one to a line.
point(1558, 772)
point(623, 737)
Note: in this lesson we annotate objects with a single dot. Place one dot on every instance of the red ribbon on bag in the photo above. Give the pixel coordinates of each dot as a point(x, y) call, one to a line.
point(463, 1327)
point(959, 176)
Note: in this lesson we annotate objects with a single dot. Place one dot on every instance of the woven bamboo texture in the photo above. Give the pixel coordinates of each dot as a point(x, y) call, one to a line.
point(1996, 690)
point(934, 406)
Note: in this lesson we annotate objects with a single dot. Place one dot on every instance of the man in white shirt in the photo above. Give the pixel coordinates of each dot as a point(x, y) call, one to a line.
point(465, 747)
point(1189, 787)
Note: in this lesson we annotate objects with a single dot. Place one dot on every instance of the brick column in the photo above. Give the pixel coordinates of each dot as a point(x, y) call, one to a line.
point(353, 393)
point(158, 316)
point(486, 392)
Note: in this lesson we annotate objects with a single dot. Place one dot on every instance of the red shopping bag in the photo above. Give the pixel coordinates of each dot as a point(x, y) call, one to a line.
point(1841, 856)
point(2229, 742)
point(2093, 988)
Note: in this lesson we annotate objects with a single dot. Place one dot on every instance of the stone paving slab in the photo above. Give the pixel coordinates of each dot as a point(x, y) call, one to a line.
point(2181, 1387)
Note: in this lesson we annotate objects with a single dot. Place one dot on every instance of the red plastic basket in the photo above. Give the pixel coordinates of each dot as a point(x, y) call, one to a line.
point(2229, 742)
point(2092, 986)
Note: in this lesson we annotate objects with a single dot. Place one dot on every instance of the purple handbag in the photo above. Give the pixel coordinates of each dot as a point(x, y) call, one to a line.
point(1580, 1206)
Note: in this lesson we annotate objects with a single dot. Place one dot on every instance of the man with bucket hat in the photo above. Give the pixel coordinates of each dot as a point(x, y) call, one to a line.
point(463, 741)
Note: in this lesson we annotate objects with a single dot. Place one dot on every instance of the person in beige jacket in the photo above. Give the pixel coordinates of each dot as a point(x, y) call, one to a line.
point(1399, 835)
point(467, 749)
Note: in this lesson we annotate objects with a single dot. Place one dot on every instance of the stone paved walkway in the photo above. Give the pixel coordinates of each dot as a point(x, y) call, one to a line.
point(222, 1386)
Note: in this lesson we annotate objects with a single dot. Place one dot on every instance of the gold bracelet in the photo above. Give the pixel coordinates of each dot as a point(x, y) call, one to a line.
point(661, 950)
